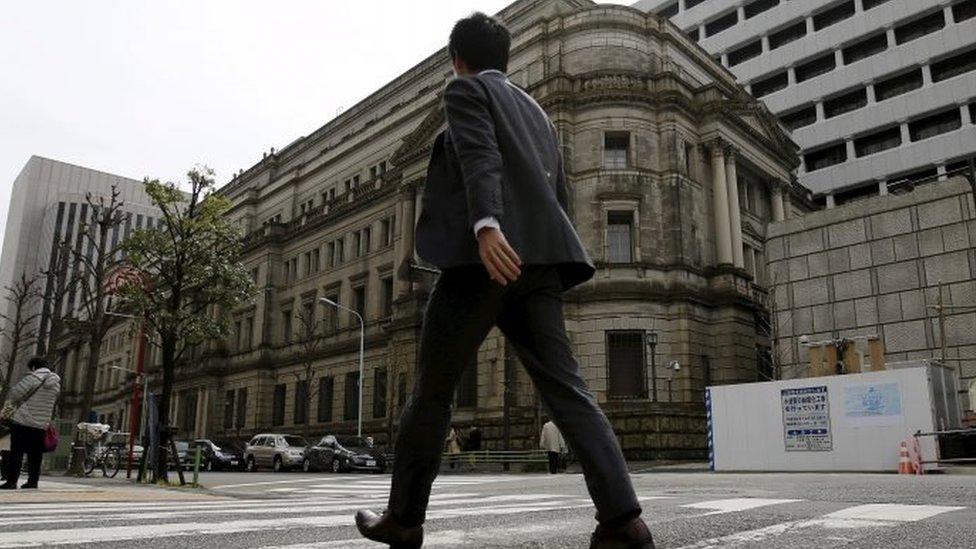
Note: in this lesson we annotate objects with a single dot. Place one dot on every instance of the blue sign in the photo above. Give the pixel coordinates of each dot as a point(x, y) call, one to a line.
point(872, 404)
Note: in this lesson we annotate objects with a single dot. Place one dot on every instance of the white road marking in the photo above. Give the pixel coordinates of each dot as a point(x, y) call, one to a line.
point(456, 538)
point(733, 505)
point(860, 516)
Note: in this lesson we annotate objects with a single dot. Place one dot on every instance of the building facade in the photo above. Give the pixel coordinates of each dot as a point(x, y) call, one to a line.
point(878, 93)
point(875, 269)
point(48, 206)
point(674, 173)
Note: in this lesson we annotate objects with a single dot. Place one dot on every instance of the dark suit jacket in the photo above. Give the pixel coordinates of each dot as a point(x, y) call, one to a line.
point(499, 156)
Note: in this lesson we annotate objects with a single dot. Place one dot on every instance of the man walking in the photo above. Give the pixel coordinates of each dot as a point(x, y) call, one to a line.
point(493, 219)
point(34, 397)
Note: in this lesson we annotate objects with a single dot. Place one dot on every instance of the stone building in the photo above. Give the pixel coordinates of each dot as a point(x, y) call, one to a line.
point(873, 267)
point(674, 173)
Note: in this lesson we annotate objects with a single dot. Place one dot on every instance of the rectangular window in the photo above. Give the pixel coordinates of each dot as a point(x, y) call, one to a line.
point(294, 269)
point(278, 405)
point(669, 11)
point(865, 48)
point(878, 141)
point(789, 34)
point(367, 237)
point(248, 332)
point(745, 53)
point(868, 4)
point(693, 34)
point(616, 148)
point(692, 3)
point(359, 300)
point(286, 331)
point(385, 232)
point(753, 9)
point(325, 399)
point(954, 66)
point(332, 316)
point(833, 15)
point(308, 321)
point(308, 264)
point(379, 392)
point(351, 408)
point(892, 87)
point(824, 158)
point(919, 27)
point(386, 286)
point(800, 118)
point(240, 420)
point(331, 254)
point(626, 368)
point(286, 272)
point(963, 11)
point(723, 23)
point(846, 103)
point(315, 260)
point(936, 124)
point(467, 389)
point(812, 69)
point(301, 402)
point(357, 244)
point(769, 85)
point(620, 242)
point(229, 409)
point(855, 193)
point(340, 251)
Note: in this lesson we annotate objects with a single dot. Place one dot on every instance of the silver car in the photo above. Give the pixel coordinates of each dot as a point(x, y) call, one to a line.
point(276, 451)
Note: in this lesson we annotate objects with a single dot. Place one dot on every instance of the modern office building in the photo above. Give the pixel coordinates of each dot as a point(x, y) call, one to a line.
point(48, 206)
point(674, 171)
point(879, 94)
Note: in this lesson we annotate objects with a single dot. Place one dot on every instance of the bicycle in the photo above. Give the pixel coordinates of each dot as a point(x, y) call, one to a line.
point(98, 454)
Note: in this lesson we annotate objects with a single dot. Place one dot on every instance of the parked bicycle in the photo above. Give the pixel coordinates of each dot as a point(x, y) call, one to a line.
point(98, 453)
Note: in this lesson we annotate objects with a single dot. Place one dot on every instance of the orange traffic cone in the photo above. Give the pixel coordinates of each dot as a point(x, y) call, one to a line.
point(904, 463)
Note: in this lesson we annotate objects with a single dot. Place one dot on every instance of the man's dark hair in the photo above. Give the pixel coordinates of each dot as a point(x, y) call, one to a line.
point(480, 41)
point(36, 363)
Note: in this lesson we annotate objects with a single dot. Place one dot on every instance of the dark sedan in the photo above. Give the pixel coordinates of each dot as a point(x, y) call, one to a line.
point(343, 453)
point(219, 454)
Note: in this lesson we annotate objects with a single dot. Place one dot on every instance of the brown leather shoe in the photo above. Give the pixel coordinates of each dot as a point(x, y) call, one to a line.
point(385, 530)
point(633, 535)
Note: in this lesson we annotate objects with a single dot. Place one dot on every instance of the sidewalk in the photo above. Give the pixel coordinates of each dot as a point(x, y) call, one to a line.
point(57, 489)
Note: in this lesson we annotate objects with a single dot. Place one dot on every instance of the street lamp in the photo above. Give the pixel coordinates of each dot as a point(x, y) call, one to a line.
point(362, 341)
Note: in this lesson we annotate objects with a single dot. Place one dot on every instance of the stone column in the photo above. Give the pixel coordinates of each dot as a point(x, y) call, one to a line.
point(405, 246)
point(720, 206)
point(779, 210)
point(735, 217)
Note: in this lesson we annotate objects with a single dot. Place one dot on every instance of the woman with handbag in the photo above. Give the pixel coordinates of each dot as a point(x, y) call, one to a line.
point(28, 412)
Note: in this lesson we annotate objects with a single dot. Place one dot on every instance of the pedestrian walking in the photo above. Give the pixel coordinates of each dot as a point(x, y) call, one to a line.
point(494, 221)
point(4, 454)
point(452, 446)
point(32, 401)
point(472, 444)
point(551, 440)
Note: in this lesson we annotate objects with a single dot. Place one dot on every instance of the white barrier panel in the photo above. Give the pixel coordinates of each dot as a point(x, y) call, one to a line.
point(852, 422)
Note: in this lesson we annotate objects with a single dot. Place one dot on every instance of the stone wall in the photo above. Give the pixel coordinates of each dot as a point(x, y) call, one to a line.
point(874, 267)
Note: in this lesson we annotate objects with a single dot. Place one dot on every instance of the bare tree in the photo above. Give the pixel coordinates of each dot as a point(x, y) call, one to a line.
point(97, 259)
point(61, 280)
point(310, 341)
point(19, 330)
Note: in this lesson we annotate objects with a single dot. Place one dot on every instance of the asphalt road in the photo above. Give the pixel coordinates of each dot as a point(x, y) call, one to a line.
point(685, 510)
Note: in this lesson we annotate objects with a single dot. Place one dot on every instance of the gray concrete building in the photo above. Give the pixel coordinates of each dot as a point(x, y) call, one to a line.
point(48, 206)
point(878, 93)
point(873, 268)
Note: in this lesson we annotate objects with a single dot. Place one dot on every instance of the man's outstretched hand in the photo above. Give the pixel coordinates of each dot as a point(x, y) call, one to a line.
point(500, 259)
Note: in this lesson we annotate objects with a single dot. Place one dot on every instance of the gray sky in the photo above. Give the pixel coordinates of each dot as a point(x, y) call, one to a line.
point(150, 88)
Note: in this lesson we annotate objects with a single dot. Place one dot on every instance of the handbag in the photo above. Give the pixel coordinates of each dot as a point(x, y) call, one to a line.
point(51, 438)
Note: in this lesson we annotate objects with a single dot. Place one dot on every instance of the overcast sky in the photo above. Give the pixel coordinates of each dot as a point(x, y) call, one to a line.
point(150, 88)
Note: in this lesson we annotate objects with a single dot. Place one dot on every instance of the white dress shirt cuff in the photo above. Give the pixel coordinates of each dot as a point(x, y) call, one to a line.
point(489, 221)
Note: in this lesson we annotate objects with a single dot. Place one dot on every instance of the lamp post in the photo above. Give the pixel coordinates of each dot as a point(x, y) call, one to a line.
point(362, 341)
point(673, 368)
point(135, 413)
point(652, 350)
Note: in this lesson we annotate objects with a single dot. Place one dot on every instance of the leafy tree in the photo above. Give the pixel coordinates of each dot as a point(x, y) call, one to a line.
point(189, 275)
point(19, 326)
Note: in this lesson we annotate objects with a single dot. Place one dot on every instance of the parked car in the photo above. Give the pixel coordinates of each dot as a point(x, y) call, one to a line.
point(182, 450)
point(218, 454)
point(121, 441)
point(344, 453)
point(278, 451)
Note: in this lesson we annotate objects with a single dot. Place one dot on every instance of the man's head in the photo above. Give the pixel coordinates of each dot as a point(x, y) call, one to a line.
point(36, 363)
point(479, 43)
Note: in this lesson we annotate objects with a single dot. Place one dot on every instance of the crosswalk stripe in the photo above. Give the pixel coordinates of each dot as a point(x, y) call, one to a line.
point(732, 505)
point(859, 516)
